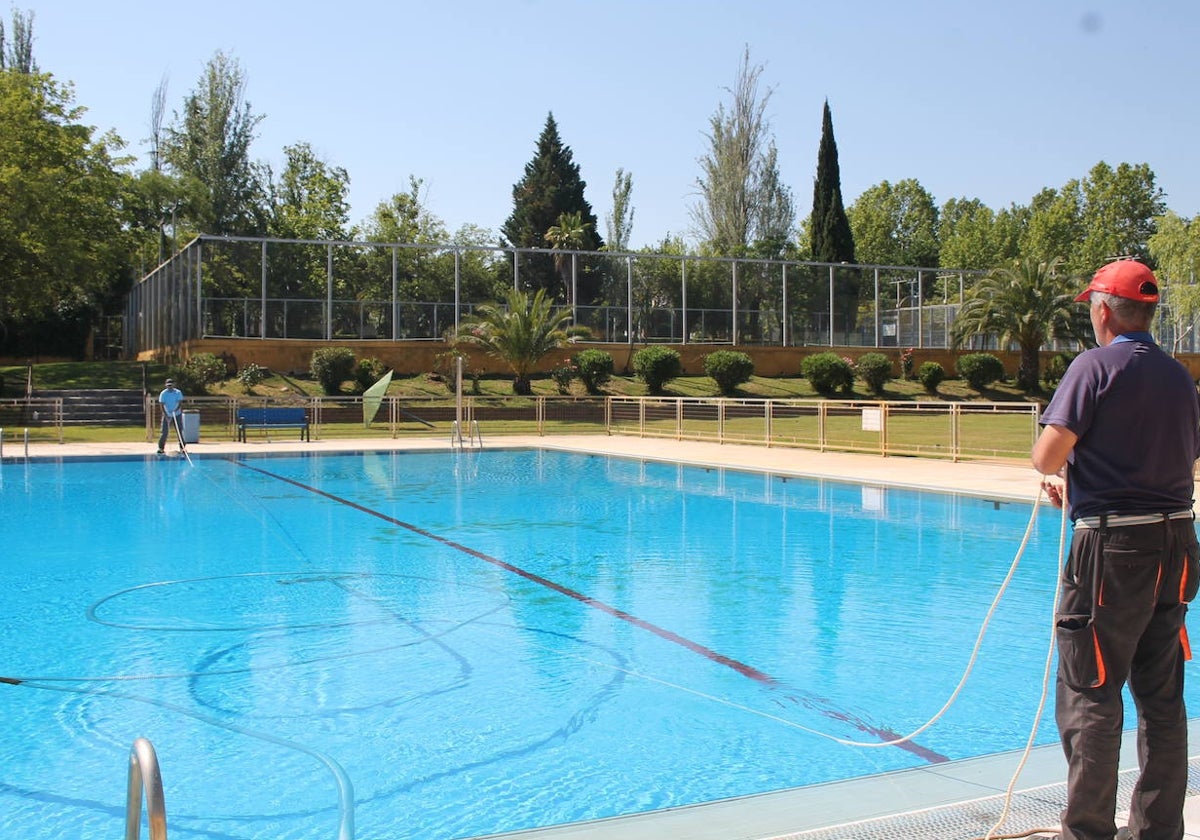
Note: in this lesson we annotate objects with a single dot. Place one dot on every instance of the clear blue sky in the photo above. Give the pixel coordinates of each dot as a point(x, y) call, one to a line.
point(991, 99)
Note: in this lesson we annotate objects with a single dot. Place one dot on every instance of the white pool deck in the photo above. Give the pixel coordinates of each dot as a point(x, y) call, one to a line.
point(959, 800)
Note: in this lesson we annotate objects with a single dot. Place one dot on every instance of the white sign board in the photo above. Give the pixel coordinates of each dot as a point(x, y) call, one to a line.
point(872, 419)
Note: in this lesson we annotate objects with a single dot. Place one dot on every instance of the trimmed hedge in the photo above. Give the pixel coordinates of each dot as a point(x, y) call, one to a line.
point(980, 369)
point(729, 369)
point(829, 373)
point(875, 369)
point(656, 366)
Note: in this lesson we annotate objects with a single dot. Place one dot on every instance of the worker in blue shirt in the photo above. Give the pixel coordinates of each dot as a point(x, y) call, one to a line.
point(170, 398)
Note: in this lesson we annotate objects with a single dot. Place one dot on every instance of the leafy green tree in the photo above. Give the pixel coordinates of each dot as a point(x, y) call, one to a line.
point(311, 198)
point(1052, 227)
point(308, 201)
point(1026, 304)
point(1109, 213)
point(895, 224)
point(519, 332)
point(743, 202)
point(63, 246)
point(211, 141)
point(405, 219)
point(1175, 249)
point(969, 236)
point(1118, 212)
point(551, 187)
point(156, 206)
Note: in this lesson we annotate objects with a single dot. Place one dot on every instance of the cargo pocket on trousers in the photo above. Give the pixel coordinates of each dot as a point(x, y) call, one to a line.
point(1191, 574)
point(1079, 658)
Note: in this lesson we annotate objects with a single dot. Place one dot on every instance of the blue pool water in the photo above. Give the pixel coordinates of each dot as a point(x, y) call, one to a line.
point(406, 645)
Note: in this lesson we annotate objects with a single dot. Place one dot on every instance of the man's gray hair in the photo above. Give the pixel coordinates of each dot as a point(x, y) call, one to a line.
point(1129, 314)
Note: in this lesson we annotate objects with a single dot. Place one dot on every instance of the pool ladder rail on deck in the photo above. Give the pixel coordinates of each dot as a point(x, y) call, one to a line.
point(144, 776)
point(473, 439)
point(2, 444)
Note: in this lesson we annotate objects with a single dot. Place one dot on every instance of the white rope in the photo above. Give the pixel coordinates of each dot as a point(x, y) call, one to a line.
point(1037, 718)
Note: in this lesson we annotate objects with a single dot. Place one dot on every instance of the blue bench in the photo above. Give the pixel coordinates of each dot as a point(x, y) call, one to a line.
point(271, 418)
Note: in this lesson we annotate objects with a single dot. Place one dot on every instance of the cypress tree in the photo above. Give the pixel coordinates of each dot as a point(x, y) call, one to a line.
point(551, 187)
point(832, 239)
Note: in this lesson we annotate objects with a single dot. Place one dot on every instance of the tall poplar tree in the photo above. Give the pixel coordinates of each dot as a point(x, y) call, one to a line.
point(211, 143)
point(16, 48)
point(744, 207)
point(551, 188)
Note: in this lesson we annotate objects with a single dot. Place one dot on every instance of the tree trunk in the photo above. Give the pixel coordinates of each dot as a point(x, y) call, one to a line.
point(1029, 374)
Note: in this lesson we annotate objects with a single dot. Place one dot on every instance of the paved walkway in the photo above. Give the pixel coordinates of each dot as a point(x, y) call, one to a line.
point(941, 803)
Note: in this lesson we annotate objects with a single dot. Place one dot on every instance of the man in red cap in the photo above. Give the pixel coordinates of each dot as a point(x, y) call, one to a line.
point(1118, 446)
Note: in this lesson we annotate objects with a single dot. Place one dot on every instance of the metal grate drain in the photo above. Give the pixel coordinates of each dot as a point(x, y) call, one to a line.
point(972, 820)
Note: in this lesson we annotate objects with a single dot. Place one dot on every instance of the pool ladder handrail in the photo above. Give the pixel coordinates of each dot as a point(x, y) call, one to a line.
point(473, 438)
point(144, 776)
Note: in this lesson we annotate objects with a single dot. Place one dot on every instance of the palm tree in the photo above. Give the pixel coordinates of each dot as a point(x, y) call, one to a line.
point(1025, 304)
point(519, 332)
point(568, 235)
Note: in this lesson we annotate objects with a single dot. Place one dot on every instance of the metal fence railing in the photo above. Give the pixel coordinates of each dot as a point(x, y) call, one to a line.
point(958, 431)
point(248, 287)
point(31, 419)
point(252, 287)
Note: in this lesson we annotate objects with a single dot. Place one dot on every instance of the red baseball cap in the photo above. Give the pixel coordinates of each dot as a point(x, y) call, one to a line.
point(1124, 278)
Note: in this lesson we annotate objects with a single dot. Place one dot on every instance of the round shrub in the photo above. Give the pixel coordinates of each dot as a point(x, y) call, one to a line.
point(656, 366)
point(368, 371)
point(252, 375)
point(980, 369)
point(331, 366)
point(875, 369)
point(563, 375)
point(931, 375)
point(828, 373)
point(198, 372)
point(595, 368)
point(729, 369)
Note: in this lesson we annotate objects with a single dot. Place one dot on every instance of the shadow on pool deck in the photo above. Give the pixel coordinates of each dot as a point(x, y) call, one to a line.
point(960, 800)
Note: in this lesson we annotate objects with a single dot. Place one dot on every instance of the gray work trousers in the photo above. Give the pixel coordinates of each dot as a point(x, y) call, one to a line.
point(1124, 594)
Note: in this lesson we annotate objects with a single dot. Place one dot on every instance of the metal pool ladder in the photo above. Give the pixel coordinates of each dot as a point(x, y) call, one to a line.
point(144, 776)
point(472, 438)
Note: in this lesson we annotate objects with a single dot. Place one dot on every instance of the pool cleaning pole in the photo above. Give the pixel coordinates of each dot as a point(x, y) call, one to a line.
point(179, 434)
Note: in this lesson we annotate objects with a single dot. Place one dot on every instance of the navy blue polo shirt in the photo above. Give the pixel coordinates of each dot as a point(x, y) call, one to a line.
point(1136, 413)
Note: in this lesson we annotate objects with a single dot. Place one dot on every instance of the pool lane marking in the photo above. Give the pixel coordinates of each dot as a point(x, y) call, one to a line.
point(740, 667)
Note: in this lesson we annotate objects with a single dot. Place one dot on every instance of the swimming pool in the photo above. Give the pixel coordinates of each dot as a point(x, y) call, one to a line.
point(387, 645)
